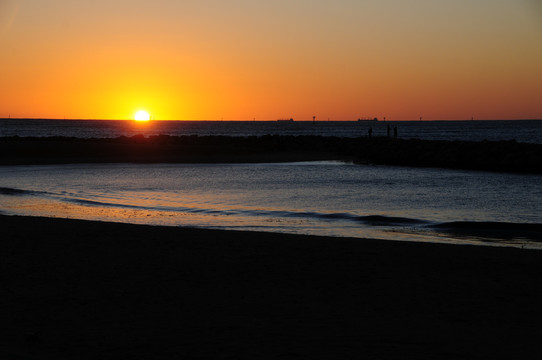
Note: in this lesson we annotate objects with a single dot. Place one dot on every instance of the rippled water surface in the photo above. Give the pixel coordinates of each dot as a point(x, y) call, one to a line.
point(321, 198)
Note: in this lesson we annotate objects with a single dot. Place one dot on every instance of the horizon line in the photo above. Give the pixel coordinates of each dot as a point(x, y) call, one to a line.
point(267, 120)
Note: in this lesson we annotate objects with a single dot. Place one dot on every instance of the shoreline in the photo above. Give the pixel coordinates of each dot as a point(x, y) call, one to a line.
point(497, 156)
point(87, 290)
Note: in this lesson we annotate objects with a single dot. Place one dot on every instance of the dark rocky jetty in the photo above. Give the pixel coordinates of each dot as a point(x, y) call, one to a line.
point(503, 156)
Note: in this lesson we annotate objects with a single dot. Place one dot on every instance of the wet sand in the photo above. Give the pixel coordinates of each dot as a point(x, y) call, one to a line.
point(91, 290)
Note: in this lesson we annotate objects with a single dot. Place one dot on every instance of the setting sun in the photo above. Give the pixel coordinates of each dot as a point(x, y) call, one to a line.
point(142, 115)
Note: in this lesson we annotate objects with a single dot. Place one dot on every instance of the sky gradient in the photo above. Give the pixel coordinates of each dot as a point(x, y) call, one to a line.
point(245, 59)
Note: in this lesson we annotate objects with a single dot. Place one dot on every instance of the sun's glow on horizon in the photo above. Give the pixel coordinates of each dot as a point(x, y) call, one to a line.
point(142, 115)
point(265, 60)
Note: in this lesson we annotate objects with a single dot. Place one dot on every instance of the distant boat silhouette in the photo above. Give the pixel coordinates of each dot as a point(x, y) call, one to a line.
point(286, 120)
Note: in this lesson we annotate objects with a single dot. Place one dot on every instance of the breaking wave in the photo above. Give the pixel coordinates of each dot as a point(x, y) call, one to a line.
point(17, 192)
point(485, 231)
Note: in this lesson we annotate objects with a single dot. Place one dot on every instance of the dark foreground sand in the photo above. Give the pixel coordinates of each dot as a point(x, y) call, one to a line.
point(87, 290)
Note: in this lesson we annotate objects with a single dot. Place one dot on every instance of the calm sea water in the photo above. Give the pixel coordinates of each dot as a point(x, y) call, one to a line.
point(520, 130)
point(321, 198)
point(325, 198)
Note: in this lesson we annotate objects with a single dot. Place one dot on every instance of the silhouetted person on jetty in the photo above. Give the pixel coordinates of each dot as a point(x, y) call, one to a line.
point(394, 132)
point(389, 130)
point(370, 132)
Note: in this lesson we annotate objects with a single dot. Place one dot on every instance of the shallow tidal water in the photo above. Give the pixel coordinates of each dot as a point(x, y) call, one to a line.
point(315, 198)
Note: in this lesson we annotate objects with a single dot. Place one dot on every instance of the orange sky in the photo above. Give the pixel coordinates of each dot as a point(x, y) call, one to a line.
point(244, 59)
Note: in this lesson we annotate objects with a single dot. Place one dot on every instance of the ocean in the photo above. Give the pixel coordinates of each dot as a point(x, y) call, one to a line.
point(528, 131)
point(318, 198)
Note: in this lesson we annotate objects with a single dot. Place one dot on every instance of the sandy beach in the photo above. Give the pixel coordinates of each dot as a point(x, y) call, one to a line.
point(270, 180)
point(89, 290)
